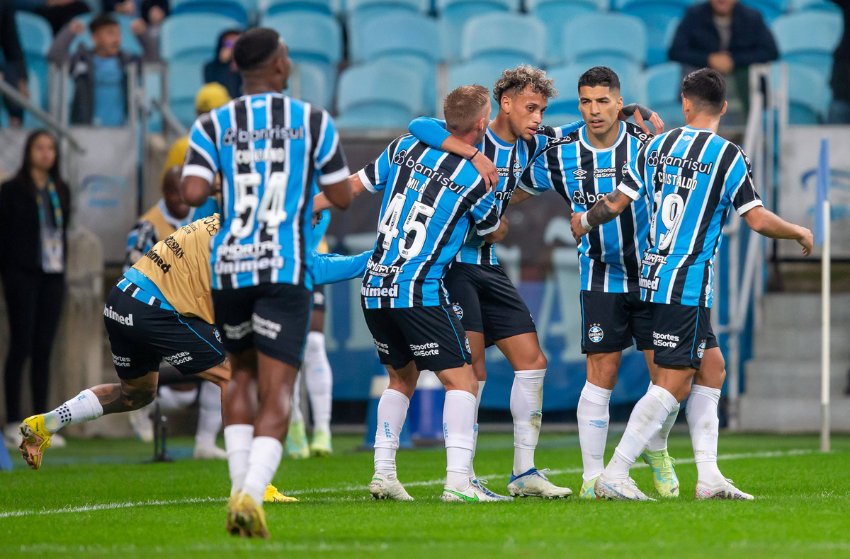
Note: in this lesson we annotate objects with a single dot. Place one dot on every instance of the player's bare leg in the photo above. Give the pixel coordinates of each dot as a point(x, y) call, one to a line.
point(704, 425)
point(656, 455)
point(593, 415)
point(392, 411)
point(529, 364)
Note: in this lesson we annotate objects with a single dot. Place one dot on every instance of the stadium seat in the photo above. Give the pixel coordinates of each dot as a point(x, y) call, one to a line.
point(309, 83)
point(808, 38)
point(365, 99)
point(275, 7)
point(481, 72)
point(35, 36)
point(663, 84)
point(656, 15)
point(605, 39)
point(455, 13)
point(129, 42)
point(192, 36)
point(228, 8)
point(484, 39)
point(311, 37)
point(809, 94)
point(185, 78)
point(814, 5)
point(361, 12)
point(409, 39)
point(553, 14)
point(770, 9)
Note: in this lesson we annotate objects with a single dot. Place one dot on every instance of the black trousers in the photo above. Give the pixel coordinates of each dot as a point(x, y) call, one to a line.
point(34, 303)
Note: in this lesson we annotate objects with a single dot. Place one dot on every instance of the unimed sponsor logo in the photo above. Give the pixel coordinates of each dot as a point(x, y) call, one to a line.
point(650, 284)
point(391, 292)
point(111, 314)
point(160, 263)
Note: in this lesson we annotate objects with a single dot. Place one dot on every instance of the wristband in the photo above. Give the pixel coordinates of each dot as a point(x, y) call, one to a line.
point(584, 223)
point(471, 157)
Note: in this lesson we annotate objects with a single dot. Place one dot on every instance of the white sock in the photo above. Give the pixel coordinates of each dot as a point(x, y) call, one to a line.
point(170, 399)
point(81, 408)
point(295, 414)
point(392, 411)
point(659, 440)
point(319, 379)
point(458, 424)
point(646, 418)
point(592, 415)
point(262, 465)
point(237, 442)
point(704, 425)
point(209, 414)
point(527, 411)
point(481, 384)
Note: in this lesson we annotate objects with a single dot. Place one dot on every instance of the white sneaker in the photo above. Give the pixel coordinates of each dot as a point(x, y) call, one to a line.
point(58, 441)
point(534, 483)
point(141, 422)
point(383, 488)
point(482, 485)
point(474, 493)
point(12, 437)
point(723, 491)
point(625, 490)
point(209, 452)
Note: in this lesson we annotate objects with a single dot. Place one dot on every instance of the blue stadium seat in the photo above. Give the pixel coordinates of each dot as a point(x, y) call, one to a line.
point(360, 12)
point(311, 37)
point(233, 9)
point(484, 38)
point(192, 36)
point(129, 42)
point(35, 36)
point(566, 81)
point(481, 72)
point(770, 9)
point(808, 38)
point(275, 7)
point(553, 14)
point(809, 94)
point(185, 78)
point(605, 39)
point(657, 16)
point(663, 85)
point(309, 83)
point(378, 96)
point(455, 13)
point(409, 39)
point(814, 5)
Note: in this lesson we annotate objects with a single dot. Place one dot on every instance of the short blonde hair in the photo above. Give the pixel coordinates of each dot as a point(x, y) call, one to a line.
point(514, 80)
point(463, 107)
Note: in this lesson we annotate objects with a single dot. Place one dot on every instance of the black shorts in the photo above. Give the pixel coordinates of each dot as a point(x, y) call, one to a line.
point(680, 334)
point(486, 301)
point(142, 336)
point(433, 337)
point(319, 298)
point(273, 318)
point(612, 320)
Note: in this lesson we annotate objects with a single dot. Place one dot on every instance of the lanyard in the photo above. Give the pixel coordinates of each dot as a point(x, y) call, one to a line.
point(54, 203)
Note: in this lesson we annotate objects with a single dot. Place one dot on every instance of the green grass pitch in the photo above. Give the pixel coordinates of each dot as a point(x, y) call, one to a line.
point(98, 499)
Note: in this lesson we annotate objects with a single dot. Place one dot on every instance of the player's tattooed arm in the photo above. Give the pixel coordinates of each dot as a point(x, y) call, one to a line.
point(604, 211)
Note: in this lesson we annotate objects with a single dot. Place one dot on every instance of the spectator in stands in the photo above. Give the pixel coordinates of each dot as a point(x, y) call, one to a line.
point(14, 71)
point(57, 12)
point(148, 14)
point(34, 209)
point(99, 74)
point(839, 111)
point(210, 96)
point(222, 68)
point(726, 36)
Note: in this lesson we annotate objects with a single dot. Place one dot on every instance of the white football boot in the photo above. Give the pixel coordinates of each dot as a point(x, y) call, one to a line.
point(382, 487)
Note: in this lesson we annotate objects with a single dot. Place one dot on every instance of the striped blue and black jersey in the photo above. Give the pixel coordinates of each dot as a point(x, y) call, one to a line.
point(691, 178)
point(610, 255)
point(511, 161)
point(431, 200)
point(270, 151)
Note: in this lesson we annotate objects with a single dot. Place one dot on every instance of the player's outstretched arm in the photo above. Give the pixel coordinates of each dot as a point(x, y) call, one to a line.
point(604, 211)
point(339, 194)
point(322, 203)
point(500, 233)
point(765, 222)
point(195, 190)
point(433, 132)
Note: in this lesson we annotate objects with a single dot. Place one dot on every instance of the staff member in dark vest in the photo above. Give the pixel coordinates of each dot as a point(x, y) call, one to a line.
point(34, 209)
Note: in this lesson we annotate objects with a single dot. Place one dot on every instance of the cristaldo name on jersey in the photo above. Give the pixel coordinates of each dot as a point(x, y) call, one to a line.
point(391, 292)
point(404, 160)
point(272, 155)
point(656, 160)
point(382, 270)
point(253, 265)
point(237, 136)
point(677, 181)
point(650, 284)
point(253, 250)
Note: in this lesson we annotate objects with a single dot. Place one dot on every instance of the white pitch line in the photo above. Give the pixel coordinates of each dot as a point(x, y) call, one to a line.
point(354, 488)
